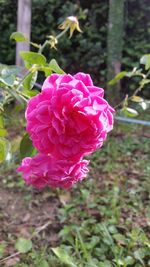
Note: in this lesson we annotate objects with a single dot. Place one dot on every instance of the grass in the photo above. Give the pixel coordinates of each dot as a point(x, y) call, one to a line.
point(102, 222)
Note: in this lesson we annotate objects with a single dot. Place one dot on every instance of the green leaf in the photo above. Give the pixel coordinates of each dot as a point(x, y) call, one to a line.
point(55, 67)
point(1, 121)
point(3, 132)
point(145, 60)
point(2, 250)
point(23, 245)
point(8, 80)
point(8, 74)
point(7, 70)
point(18, 37)
point(30, 93)
point(32, 58)
point(30, 80)
point(15, 95)
point(144, 104)
point(26, 147)
point(139, 255)
point(4, 148)
point(136, 99)
point(144, 81)
point(118, 77)
point(43, 263)
point(129, 260)
point(47, 70)
point(104, 264)
point(63, 256)
point(129, 112)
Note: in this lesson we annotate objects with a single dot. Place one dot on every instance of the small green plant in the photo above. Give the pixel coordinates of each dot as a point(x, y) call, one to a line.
point(128, 107)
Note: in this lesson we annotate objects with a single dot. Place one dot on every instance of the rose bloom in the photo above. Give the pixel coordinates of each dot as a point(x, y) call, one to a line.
point(69, 118)
point(44, 170)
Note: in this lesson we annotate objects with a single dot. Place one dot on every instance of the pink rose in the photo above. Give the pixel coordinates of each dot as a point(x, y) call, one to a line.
point(69, 118)
point(43, 170)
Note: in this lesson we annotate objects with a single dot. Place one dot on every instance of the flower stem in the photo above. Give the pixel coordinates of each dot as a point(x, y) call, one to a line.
point(62, 33)
point(42, 47)
point(47, 42)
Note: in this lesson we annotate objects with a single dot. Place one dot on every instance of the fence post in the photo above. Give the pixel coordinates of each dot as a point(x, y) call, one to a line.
point(24, 26)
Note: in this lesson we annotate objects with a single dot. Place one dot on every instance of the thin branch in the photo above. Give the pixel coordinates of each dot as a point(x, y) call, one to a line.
point(9, 257)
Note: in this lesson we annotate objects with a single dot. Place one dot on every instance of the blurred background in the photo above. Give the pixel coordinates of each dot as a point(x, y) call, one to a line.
point(105, 220)
point(87, 51)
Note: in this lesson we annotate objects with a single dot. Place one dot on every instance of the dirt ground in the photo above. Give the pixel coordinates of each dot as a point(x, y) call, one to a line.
point(25, 212)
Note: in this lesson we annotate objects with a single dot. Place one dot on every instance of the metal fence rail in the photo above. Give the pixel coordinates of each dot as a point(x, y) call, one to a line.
point(133, 121)
point(118, 118)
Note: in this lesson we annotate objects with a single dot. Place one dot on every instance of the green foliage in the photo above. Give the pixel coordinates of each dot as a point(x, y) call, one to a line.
point(63, 256)
point(55, 67)
point(86, 52)
point(23, 245)
point(20, 89)
point(2, 250)
point(129, 112)
point(8, 74)
point(29, 82)
point(138, 95)
point(26, 147)
point(31, 58)
point(4, 148)
point(145, 60)
point(137, 40)
point(118, 77)
point(103, 221)
point(18, 37)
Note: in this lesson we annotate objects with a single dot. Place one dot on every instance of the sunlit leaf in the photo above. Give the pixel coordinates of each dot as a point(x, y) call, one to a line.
point(145, 60)
point(129, 112)
point(32, 58)
point(47, 70)
point(118, 77)
point(144, 105)
point(30, 93)
point(55, 67)
point(30, 80)
point(63, 256)
point(3, 132)
point(18, 37)
point(4, 148)
point(137, 99)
